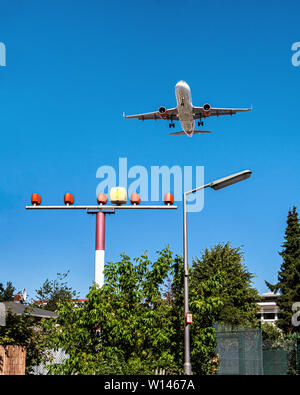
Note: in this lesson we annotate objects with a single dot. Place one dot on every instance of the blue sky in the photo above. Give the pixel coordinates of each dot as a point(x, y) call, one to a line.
point(74, 67)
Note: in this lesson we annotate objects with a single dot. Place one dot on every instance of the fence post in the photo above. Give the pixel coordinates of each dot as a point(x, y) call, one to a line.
point(242, 356)
point(260, 347)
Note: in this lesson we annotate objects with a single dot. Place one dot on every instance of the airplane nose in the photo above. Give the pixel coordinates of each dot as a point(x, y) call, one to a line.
point(181, 83)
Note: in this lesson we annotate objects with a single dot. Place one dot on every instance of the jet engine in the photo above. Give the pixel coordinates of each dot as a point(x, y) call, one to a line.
point(163, 112)
point(207, 109)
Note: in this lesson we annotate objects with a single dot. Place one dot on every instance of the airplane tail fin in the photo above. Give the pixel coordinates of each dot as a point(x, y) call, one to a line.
point(195, 132)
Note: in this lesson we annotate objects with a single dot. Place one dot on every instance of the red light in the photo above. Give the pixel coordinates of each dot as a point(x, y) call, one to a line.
point(169, 199)
point(135, 198)
point(36, 200)
point(101, 198)
point(68, 199)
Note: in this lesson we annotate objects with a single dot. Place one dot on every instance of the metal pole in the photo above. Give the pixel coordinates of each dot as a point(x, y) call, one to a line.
point(187, 367)
point(100, 249)
point(187, 364)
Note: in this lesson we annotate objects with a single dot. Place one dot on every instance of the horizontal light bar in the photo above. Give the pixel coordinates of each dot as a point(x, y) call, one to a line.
point(125, 207)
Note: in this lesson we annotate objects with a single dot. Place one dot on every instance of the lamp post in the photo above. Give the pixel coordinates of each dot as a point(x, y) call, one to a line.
point(216, 185)
point(100, 211)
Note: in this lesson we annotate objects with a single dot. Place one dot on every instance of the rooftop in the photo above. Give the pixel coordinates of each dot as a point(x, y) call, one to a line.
point(20, 308)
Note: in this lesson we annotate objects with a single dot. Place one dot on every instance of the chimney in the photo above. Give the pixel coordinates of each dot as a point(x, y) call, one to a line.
point(18, 298)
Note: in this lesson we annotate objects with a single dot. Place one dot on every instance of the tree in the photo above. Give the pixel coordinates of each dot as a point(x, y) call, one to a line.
point(7, 294)
point(288, 283)
point(239, 299)
point(129, 326)
point(54, 291)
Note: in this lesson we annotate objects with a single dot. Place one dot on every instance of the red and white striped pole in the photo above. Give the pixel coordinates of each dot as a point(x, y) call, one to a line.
point(100, 249)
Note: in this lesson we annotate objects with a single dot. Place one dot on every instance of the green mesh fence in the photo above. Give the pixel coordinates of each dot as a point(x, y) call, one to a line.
point(243, 352)
point(281, 357)
point(240, 351)
point(275, 362)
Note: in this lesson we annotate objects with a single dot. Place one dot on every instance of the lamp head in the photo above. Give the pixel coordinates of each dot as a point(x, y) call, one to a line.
point(230, 180)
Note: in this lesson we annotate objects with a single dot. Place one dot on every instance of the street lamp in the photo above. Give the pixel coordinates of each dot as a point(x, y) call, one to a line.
point(216, 185)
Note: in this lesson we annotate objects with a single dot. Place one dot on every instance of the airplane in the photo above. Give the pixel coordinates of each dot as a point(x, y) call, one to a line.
point(186, 113)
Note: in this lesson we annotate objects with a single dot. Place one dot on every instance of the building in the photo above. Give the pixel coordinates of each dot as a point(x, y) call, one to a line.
point(19, 308)
point(268, 308)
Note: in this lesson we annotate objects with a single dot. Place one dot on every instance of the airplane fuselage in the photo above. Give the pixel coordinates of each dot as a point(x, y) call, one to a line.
point(185, 107)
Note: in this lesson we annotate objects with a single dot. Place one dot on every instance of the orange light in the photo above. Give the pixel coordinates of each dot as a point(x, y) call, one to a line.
point(169, 199)
point(68, 199)
point(101, 198)
point(36, 200)
point(135, 198)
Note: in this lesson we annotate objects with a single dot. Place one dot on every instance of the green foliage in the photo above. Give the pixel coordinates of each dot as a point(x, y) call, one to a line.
point(272, 336)
point(134, 324)
point(222, 267)
point(288, 283)
point(54, 291)
point(7, 294)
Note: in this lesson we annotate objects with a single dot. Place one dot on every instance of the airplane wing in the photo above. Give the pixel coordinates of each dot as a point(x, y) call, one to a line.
point(170, 113)
point(200, 113)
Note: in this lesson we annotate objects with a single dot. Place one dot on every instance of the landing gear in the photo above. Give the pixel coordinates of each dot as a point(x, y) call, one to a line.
point(171, 124)
point(200, 123)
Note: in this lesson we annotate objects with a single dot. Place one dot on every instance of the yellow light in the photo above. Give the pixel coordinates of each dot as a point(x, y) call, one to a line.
point(118, 195)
